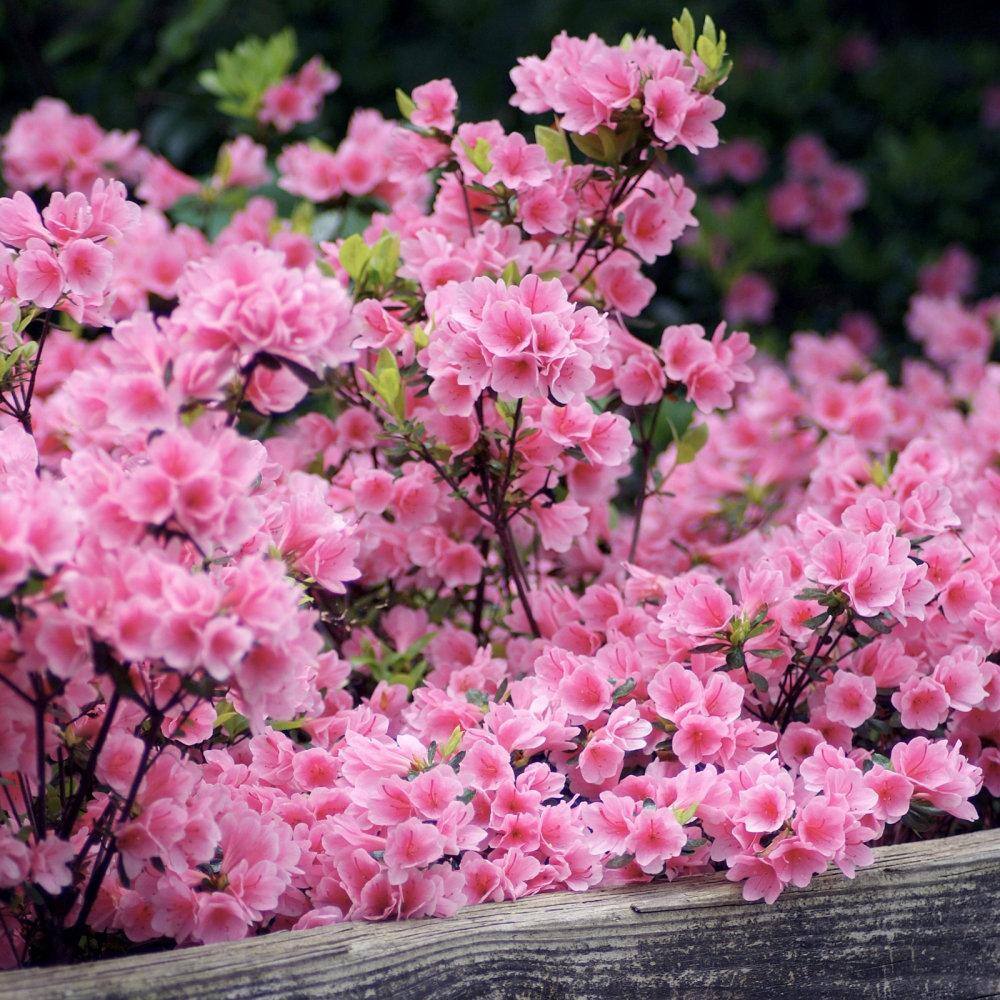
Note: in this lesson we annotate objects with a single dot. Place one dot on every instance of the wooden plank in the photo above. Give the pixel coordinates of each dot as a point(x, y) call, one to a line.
point(923, 922)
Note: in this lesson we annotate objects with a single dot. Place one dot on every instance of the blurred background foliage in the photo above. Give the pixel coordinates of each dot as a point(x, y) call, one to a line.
point(911, 120)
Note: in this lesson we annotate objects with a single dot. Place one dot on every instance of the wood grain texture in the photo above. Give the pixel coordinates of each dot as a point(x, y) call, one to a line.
point(923, 922)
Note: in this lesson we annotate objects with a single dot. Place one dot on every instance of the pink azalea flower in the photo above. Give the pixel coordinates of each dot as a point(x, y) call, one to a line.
point(656, 837)
point(412, 844)
point(435, 102)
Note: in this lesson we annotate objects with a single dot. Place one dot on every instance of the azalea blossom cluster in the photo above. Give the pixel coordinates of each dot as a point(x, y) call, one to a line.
point(814, 200)
point(591, 84)
point(61, 259)
point(48, 146)
point(367, 575)
point(818, 194)
point(297, 98)
point(742, 160)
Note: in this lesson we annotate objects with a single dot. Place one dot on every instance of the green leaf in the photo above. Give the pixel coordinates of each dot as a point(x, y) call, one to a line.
point(620, 861)
point(223, 165)
point(289, 724)
point(454, 741)
point(602, 145)
point(623, 689)
point(388, 383)
point(710, 49)
point(878, 624)
point(405, 104)
point(711, 647)
point(816, 620)
point(230, 720)
point(768, 654)
point(879, 474)
point(735, 659)
point(706, 52)
point(478, 698)
point(553, 141)
point(241, 75)
point(384, 260)
point(810, 594)
point(418, 646)
point(302, 217)
point(411, 678)
point(23, 323)
point(354, 256)
point(505, 410)
point(22, 353)
point(709, 29)
point(479, 154)
point(511, 274)
point(683, 32)
point(390, 392)
point(759, 681)
point(725, 68)
point(691, 442)
point(685, 815)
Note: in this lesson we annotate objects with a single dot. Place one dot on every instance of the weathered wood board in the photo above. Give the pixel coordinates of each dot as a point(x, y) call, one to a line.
point(924, 922)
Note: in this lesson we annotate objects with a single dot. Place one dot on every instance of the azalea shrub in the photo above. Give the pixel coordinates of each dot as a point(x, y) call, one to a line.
point(363, 554)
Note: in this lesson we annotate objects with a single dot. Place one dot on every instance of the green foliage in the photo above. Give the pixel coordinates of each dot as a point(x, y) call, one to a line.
point(605, 145)
point(370, 268)
point(690, 443)
point(686, 814)
point(386, 381)
point(354, 256)
point(22, 353)
point(682, 30)
point(406, 666)
point(479, 154)
point(242, 75)
point(511, 274)
point(711, 49)
point(553, 141)
point(405, 104)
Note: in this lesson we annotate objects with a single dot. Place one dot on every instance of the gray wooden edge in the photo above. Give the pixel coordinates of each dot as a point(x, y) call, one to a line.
point(923, 922)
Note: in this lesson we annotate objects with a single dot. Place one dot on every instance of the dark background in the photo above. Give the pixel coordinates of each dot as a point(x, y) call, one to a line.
point(911, 122)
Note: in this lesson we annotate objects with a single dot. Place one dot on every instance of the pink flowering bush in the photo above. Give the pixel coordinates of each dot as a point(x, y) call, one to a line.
point(368, 575)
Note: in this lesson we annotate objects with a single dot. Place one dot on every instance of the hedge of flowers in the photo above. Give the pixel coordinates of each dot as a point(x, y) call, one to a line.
point(364, 575)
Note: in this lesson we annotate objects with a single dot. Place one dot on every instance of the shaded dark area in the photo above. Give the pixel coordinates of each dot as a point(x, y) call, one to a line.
point(910, 118)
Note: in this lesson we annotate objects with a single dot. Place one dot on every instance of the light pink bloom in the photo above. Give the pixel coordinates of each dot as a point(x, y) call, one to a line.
point(435, 102)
